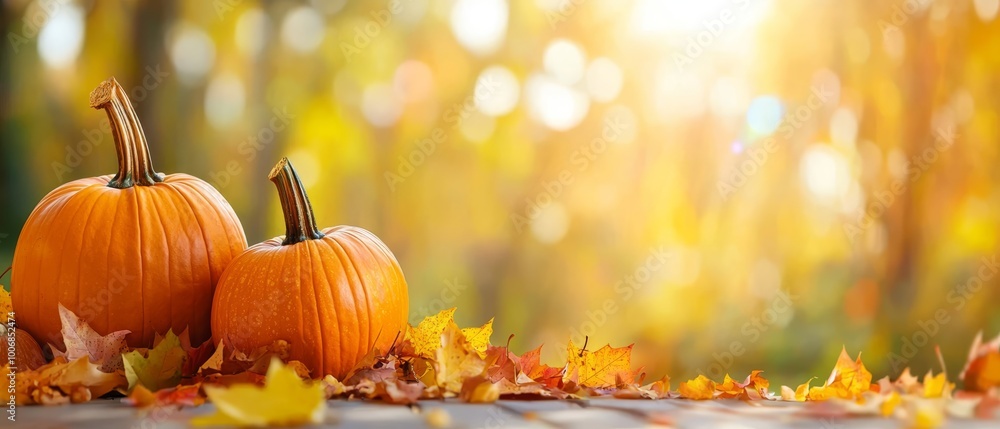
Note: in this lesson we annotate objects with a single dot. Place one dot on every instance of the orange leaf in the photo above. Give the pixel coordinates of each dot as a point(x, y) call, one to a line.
point(601, 368)
point(547, 375)
point(699, 388)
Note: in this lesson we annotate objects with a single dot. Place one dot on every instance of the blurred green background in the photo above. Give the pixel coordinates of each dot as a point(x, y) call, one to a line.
point(730, 184)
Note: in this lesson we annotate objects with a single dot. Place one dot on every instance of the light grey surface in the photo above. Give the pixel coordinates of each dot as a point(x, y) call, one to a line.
point(595, 413)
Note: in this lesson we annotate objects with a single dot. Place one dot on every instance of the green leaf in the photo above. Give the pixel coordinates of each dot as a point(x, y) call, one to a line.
point(160, 369)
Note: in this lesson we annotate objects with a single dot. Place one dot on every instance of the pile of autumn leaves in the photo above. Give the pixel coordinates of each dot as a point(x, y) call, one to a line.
point(436, 359)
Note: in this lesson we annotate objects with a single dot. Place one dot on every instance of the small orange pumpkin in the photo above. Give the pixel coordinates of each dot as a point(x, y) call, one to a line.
point(332, 294)
point(138, 251)
point(28, 354)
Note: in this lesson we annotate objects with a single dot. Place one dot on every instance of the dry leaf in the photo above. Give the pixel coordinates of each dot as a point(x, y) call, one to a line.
point(547, 375)
point(456, 360)
point(284, 400)
point(479, 389)
point(160, 368)
point(61, 381)
point(425, 338)
point(699, 388)
point(479, 338)
point(188, 396)
point(398, 392)
point(601, 368)
point(660, 387)
point(82, 340)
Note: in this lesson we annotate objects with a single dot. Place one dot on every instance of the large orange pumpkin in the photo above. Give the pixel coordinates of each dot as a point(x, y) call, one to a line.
point(136, 251)
point(332, 294)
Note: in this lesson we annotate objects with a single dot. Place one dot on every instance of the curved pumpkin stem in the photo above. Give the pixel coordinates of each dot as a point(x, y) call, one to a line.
point(300, 224)
point(134, 165)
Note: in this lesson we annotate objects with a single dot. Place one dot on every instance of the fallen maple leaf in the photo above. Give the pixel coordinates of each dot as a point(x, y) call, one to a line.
point(62, 381)
point(479, 389)
point(660, 387)
point(456, 360)
point(699, 388)
point(729, 388)
point(214, 362)
point(501, 364)
point(82, 340)
point(160, 368)
point(196, 355)
point(425, 338)
point(398, 392)
point(284, 400)
point(479, 338)
point(188, 395)
point(755, 383)
point(849, 378)
point(531, 366)
point(598, 369)
point(935, 386)
point(6, 307)
point(982, 369)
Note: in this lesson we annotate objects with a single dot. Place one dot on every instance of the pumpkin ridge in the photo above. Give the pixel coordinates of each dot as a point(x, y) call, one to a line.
point(201, 222)
point(320, 307)
point(107, 256)
point(364, 287)
point(142, 282)
point(363, 237)
point(46, 228)
point(86, 221)
point(231, 214)
point(168, 236)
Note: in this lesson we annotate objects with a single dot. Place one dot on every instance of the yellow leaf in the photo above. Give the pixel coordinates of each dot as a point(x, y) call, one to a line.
point(426, 336)
point(890, 403)
point(6, 307)
point(160, 369)
point(729, 388)
point(699, 388)
point(455, 360)
point(60, 381)
point(479, 338)
point(934, 386)
point(284, 400)
point(601, 368)
point(821, 393)
point(849, 378)
point(802, 391)
point(480, 389)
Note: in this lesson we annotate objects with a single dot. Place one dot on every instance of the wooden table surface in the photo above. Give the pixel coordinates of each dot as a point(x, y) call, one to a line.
point(594, 413)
